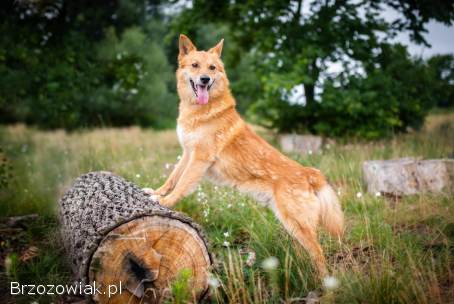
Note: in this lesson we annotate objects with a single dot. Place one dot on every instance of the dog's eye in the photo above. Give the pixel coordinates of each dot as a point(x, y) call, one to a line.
point(212, 67)
point(195, 65)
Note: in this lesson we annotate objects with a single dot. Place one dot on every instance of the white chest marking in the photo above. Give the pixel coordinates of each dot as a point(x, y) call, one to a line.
point(180, 134)
point(189, 139)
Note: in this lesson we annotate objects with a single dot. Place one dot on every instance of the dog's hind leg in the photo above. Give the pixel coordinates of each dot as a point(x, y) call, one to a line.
point(299, 213)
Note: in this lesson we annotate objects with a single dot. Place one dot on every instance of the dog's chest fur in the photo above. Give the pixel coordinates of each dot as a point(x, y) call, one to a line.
point(190, 138)
point(184, 136)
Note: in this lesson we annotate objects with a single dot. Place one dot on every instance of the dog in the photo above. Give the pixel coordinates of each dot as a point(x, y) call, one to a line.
point(217, 143)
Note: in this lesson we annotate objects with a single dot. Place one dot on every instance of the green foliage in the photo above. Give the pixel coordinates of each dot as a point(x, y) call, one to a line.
point(137, 80)
point(442, 67)
point(46, 266)
point(85, 73)
point(181, 292)
point(394, 96)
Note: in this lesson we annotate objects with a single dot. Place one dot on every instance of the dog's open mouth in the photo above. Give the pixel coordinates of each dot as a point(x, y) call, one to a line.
point(201, 92)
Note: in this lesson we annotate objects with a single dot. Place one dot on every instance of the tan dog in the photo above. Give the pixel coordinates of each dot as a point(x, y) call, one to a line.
point(217, 143)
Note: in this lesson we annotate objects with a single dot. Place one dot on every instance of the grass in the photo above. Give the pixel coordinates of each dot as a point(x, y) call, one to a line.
point(393, 251)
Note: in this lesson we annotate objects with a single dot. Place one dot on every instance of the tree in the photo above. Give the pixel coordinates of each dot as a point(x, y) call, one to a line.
point(394, 96)
point(442, 67)
point(70, 64)
point(296, 45)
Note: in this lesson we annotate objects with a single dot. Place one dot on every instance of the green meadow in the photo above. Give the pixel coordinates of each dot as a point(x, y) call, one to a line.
point(395, 250)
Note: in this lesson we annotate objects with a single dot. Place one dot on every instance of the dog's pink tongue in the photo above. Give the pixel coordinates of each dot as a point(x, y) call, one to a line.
point(202, 95)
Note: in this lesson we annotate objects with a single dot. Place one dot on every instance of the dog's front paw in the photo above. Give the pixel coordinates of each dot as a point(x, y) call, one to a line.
point(166, 201)
point(154, 196)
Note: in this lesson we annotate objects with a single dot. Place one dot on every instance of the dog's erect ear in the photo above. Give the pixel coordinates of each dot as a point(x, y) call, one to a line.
point(185, 45)
point(217, 49)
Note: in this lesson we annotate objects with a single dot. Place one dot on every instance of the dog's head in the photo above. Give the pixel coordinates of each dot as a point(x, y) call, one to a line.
point(201, 76)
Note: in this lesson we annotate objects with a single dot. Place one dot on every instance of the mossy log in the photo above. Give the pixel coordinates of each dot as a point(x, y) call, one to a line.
point(113, 232)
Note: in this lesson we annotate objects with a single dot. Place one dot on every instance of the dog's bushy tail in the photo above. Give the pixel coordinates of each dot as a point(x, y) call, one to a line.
point(331, 215)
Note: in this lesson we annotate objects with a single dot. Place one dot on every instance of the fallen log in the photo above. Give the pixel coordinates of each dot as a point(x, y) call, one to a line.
point(115, 235)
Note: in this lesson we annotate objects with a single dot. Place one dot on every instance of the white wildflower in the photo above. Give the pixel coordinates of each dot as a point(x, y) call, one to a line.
point(229, 206)
point(359, 195)
point(377, 194)
point(310, 152)
point(226, 244)
point(226, 234)
point(270, 263)
point(330, 282)
point(138, 175)
point(213, 281)
point(134, 91)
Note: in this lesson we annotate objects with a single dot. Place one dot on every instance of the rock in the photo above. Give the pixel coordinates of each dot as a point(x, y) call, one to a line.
point(409, 176)
point(306, 144)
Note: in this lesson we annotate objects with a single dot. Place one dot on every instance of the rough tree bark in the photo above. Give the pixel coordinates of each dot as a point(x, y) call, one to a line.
point(113, 232)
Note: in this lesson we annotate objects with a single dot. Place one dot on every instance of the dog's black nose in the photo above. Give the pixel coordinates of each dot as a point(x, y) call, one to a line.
point(205, 79)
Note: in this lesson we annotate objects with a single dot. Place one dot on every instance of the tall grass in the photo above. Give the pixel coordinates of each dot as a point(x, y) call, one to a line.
point(393, 251)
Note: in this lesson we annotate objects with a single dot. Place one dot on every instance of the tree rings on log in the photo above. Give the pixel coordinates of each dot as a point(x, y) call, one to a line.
point(131, 247)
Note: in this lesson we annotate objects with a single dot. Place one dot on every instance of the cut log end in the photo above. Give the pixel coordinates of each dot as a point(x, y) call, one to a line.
point(144, 256)
point(129, 246)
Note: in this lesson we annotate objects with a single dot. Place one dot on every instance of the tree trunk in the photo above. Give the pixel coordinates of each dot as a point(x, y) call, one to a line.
point(309, 88)
point(309, 93)
point(114, 234)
